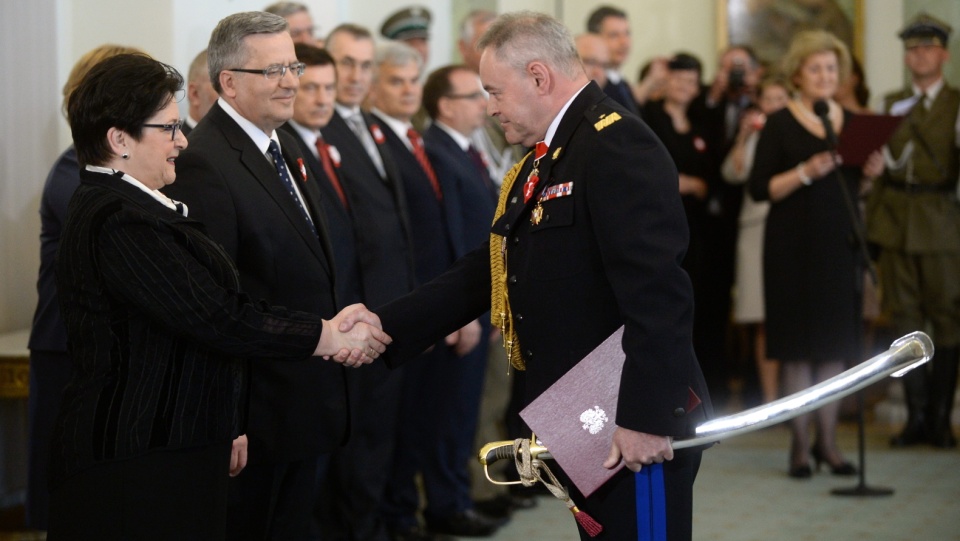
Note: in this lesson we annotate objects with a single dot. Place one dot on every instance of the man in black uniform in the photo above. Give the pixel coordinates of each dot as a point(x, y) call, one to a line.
point(589, 236)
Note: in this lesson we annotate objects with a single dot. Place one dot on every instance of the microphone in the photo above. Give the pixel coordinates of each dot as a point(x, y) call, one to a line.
point(822, 110)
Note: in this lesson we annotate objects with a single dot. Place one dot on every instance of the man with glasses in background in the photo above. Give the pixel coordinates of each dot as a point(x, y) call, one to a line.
point(246, 182)
point(595, 57)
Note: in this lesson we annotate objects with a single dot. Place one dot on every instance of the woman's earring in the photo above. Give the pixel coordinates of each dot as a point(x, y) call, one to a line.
point(125, 156)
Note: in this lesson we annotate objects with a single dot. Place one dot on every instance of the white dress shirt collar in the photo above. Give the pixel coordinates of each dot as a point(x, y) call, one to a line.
point(156, 194)
point(347, 112)
point(398, 126)
point(462, 140)
point(552, 130)
point(308, 135)
point(932, 91)
point(259, 138)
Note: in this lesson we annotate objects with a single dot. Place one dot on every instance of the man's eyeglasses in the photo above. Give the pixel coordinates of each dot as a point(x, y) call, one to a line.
point(275, 71)
point(173, 128)
point(471, 96)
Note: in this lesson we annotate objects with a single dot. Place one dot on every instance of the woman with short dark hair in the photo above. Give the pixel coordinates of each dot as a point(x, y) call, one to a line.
point(157, 328)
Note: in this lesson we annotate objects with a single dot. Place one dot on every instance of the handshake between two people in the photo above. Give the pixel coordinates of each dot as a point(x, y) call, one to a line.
point(353, 337)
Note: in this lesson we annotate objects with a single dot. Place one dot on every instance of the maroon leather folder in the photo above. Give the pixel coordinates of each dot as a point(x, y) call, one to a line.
point(863, 134)
point(575, 417)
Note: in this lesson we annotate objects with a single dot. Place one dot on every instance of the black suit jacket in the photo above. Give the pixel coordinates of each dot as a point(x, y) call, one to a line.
point(295, 410)
point(343, 240)
point(606, 255)
point(156, 326)
point(381, 220)
point(622, 94)
point(433, 250)
point(469, 194)
point(48, 332)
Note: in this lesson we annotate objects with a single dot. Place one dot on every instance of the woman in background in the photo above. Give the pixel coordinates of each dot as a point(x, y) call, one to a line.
point(687, 140)
point(748, 300)
point(812, 267)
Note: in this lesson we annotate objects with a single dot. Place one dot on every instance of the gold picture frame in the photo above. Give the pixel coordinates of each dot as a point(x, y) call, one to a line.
point(769, 25)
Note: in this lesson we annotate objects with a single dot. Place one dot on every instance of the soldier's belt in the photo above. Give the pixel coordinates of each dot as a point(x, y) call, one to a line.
point(914, 187)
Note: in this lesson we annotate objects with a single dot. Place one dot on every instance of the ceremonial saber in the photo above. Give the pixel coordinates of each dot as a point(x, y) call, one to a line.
point(905, 354)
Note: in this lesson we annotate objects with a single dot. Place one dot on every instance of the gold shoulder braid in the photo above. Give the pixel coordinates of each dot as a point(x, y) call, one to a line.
point(500, 314)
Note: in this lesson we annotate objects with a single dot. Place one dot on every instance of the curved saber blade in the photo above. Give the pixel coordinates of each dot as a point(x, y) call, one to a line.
point(905, 354)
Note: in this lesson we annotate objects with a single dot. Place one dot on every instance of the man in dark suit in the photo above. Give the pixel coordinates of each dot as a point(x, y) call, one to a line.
point(454, 98)
point(436, 429)
point(357, 476)
point(247, 183)
point(589, 236)
point(312, 111)
point(611, 24)
point(371, 176)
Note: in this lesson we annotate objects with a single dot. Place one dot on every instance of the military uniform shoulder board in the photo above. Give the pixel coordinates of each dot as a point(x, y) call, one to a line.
point(602, 116)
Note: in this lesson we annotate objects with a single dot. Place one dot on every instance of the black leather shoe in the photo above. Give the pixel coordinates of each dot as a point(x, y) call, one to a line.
point(914, 433)
point(843, 468)
point(497, 507)
point(943, 438)
point(417, 534)
point(800, 471)
point(469, 523)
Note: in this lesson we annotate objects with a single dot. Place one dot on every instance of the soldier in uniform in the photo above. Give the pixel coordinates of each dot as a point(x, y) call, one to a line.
point(588, 236)
point(914, 218)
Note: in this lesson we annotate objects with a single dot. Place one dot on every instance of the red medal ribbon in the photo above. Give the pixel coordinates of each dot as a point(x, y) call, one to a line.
point(531, 184)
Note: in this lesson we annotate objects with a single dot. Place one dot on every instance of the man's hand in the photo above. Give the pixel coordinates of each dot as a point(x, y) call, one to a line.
point(821, 163)
point(353, 337)
point(464, 340)
point(695, 186)
point(637, 449)
point(238, 455)
point(874, 165)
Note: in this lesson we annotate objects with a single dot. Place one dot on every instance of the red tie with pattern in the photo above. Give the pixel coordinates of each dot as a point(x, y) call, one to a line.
point(323, 149)
point(417, 143)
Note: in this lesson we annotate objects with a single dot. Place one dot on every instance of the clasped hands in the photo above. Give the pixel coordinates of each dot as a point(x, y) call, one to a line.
point(353, 337)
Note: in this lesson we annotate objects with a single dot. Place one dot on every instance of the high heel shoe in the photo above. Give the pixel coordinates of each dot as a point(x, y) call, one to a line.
point(843, 468)
point(800, 471)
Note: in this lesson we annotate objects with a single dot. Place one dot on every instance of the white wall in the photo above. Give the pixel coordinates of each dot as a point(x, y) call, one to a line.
point(29, 102)
point(42, 39)
point(883, 62)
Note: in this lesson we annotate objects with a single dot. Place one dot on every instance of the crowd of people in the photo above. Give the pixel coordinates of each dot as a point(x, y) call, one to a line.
point(287, 315)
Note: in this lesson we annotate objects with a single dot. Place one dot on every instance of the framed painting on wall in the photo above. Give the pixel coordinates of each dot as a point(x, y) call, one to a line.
point(768, 26)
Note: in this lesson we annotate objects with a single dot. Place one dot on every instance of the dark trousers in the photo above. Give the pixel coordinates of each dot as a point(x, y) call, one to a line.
point(49, 374)
point(353, 480)
point(615, 504)
point(438, 418)
point(272, 501)
point(164, 495)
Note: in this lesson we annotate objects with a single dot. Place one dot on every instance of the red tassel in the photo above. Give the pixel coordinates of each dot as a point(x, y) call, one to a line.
point(589, 525)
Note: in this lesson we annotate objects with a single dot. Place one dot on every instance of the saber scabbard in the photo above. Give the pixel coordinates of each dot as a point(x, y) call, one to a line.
point(905, 354)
